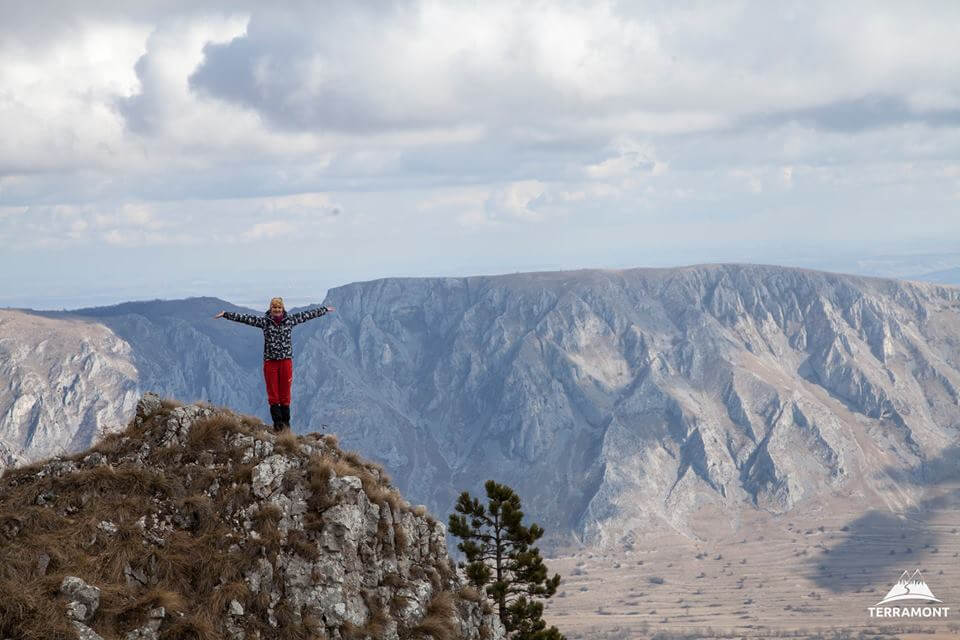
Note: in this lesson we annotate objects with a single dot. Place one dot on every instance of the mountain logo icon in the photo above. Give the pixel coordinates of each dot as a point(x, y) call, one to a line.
point(909, 587)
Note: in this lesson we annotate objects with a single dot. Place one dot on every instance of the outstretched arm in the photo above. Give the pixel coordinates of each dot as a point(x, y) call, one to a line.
point(245, 318)
point(303, 316)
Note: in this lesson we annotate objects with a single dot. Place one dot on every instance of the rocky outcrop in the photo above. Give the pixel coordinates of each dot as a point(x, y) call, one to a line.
point(198, 521)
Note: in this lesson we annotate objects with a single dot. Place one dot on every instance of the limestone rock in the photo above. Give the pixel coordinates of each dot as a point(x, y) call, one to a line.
point(83, 599)
point(299, 539)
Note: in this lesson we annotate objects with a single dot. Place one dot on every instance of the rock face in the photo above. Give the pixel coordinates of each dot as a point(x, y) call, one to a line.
point(610, 400)
point(196, 522)
point(613, 400)
point(69, 381)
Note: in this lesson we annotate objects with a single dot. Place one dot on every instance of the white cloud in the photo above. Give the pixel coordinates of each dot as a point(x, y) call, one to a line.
point(787, 173)
point(662, 70)
point(54, 105)
point(301, 204)
point(477, 219)
point(12, 211)
point(130, 238)
point(167, 125)
point(631, 157)
point(522, 200)
point(465, 197)
point(268, 230)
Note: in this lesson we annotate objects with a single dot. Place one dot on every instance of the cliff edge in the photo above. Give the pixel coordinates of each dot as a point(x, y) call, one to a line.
point(196, 522)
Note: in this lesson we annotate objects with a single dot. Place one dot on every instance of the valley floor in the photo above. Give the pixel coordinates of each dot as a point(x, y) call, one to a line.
point(810, 574)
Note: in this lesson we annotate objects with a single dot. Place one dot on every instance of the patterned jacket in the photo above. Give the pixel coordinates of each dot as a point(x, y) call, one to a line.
point(277, 344)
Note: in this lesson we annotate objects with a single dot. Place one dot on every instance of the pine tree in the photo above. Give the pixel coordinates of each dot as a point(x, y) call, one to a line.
point(501, 560)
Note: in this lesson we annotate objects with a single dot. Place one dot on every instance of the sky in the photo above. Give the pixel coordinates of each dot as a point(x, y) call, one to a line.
point(173, 149)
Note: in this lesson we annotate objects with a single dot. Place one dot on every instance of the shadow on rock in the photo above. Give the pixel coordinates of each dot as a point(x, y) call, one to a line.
point(943, 469)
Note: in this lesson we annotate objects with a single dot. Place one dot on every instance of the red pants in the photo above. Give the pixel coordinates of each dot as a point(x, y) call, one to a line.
point(278, 374)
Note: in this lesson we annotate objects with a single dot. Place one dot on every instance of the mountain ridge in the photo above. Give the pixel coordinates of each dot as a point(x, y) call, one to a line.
point(616, 399)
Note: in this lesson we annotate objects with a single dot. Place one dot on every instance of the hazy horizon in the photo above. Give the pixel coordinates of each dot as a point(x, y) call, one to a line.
point(299, 294)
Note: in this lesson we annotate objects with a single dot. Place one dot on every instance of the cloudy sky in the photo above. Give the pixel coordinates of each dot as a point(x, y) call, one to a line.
point(223, 148)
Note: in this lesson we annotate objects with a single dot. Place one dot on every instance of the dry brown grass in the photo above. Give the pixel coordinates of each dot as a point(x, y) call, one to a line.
point(397, 604)
point(485, 631)
point(350, 631)
point(292, 477)
point(352, 458)
point(109, 445)
point(196, 626)
point(319, 472)
point(389, 497)
point(435, 578)
point(201, 512)
point(12, 475)
point(331, 440)
point(155, 597)
point(287, 623)
point(376, 483)
point(394, 580)
point(243, 473)
point(301, 544)
point(314, 626)
point(27, 610)
point(234, 590)
point(400, 540)
point(108, 479)
point(470, 593)
point(265, 523)
point(122, 610)
point(207, 433)
point(269, 511)
point(440, 621)
point(169, 404)
point(286, 442)
point(447, 570)
point(122, 550)
point(58, 518)
point(343, 468)
point(233, 497)
point(377, 624)
point(313, 522)
point(50, 527)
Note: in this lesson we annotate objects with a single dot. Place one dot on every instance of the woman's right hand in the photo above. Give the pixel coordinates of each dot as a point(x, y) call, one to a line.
point(219, 315)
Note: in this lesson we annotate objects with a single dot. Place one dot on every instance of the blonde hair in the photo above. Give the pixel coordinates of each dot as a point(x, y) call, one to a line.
point(277, 299)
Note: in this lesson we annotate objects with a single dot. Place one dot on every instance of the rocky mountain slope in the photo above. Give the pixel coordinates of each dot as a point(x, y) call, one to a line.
point(619, 400)
point(67, 379)
point(613, 401)
point(196, 522)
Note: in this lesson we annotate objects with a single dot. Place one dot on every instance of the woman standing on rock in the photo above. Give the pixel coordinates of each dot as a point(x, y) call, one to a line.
point(277, 352)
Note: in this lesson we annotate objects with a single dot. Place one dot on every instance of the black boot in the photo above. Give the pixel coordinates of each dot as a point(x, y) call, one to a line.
point(277, 414)
point(285, 416)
